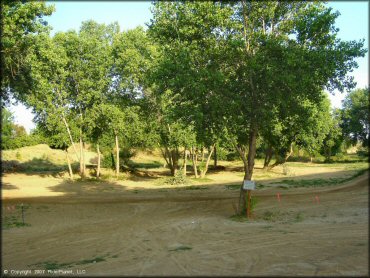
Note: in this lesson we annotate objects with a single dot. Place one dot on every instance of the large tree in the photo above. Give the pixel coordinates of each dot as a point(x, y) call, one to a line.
point(22, 22)
point(189, 70)
point(274, 54)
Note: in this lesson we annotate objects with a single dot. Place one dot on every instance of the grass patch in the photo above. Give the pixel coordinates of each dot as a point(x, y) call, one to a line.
point(13, 222)
point(181, 248)
point(271, 215)
point(298, 217)
point(318, 182)
point(239, 218)
point(91, 261)
point(194, 187)
point(202, 179)
point(53, 265)
point(145, 165)
point(15, 219)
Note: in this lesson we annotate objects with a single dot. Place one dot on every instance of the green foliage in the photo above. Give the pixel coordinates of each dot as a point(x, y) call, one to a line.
point(363, 152)
point(203, 73)
point(6, 129)
point(333, 141)
point(355, 116)
point(254, 56)
point(22, 22)
point(14, 136)
point(178, 179)
point(13, 222)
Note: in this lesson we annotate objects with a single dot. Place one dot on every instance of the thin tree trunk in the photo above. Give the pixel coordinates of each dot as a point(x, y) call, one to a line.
point(194, 158)
point(215, 157)
point(69, 165)
point(175, 161)
point(112, 160)
point(81, 159)
point(289, 154)
point(267, 157)
point(184, 165)
point(251, 153)
point(165, 157)
point(202, 154)
point(204, 171)
point(117, 155)
point(70, 136)
point(170, 160)
point(99, 158)
point(242, 197)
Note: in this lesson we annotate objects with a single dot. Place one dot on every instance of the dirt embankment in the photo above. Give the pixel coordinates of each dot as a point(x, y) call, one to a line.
point(189, 232)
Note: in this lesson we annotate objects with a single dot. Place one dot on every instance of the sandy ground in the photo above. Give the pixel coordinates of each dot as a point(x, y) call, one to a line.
point(109, 229)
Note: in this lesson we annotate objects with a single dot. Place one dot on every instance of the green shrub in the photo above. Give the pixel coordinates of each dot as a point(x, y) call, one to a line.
point(363, 152)
point(18, 155)
point(178, 179)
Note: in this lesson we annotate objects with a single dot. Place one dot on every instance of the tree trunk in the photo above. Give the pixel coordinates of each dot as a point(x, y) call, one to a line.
point(117, 155)
point(164, 154)
point(194, 158)
point(328, 154)
point(175, 161)
point(202, 154)
point(248, 169)
point(69, 165)
point(242, 199)
point(83, 157)
point(215, 157)
point(289, 154)
point(82, 173)
point(112, 160)
point(267, 157)
point(70, 136)
point(251, 153)
point(184, 165)
point(204, 171)
point(171, 159)
point(99, 158)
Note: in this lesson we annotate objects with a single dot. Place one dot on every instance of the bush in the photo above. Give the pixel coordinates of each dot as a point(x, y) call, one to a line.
point(126, 154)
point(232, 156)
point(178, 179)
point(363, 151)
point(108, 160)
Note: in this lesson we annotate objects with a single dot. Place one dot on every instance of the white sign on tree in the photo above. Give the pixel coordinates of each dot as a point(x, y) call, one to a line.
point(249, 185)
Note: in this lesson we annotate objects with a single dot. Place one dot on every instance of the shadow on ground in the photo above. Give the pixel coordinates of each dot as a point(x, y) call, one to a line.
point(111, 189)
point(8, 186)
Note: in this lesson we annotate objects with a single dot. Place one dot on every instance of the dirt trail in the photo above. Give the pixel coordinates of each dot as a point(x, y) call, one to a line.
point(190, 233)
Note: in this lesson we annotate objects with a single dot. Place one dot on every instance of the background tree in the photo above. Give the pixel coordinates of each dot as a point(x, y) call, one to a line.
point(7, 120)
point(355, 117)
point(188, 70)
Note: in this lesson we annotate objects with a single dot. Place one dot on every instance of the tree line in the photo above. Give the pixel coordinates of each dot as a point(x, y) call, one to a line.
point(247, 75)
